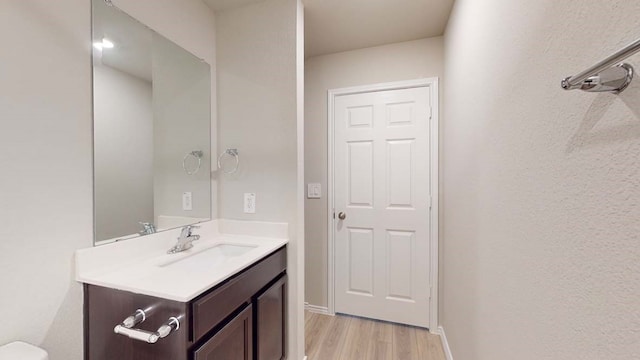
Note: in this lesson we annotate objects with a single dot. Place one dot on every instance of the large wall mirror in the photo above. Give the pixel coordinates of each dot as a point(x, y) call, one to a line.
point(152, 136)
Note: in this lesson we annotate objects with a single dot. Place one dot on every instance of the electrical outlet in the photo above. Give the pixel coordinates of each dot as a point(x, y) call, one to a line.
point(187, 201)
point(250, 203)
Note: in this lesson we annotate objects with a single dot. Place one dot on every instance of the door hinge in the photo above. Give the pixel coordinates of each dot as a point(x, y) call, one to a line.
point(430, 112)
point(430, 202)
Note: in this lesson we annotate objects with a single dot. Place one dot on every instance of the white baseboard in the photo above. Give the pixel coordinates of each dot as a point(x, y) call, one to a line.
point(316, 309)
point(445, 343)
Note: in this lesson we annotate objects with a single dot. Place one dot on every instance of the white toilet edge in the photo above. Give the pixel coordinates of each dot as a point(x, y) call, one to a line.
point(23, 351)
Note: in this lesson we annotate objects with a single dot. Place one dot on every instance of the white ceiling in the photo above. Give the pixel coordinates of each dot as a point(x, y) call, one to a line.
point(339, 25)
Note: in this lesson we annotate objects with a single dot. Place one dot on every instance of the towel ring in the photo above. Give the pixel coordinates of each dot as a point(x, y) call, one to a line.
point(196, 154)
point(230, 152)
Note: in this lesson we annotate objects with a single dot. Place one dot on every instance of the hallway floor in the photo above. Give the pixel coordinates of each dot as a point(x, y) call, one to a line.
point(343, 337)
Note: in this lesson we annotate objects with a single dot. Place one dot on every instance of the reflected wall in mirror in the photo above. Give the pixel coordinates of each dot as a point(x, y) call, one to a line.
point(152, 119)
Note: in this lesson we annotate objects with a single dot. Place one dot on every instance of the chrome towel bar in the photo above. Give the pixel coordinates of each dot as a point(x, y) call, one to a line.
point(126, 328)
point(609, 75)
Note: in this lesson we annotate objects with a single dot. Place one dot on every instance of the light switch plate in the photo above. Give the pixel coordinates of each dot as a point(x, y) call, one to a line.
point(250, 203)
point(314, 191)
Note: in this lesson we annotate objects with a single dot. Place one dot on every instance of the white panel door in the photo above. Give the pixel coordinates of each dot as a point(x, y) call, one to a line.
point(381, 186)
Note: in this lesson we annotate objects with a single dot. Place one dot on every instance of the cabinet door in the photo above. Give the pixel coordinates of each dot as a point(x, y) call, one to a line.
point(233, 342)
point(270, 309)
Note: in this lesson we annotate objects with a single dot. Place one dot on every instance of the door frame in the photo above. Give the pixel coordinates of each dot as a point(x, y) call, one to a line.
point(432, 83)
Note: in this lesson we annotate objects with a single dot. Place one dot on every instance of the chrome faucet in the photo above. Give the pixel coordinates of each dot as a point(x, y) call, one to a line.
point(147, 228)
point(186, 239)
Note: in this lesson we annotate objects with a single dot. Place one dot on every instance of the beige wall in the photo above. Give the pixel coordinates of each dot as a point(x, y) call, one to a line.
point(46, 182)
point(258, 115)
point(541, 186)
point(46, 190)
point(388, 63)
point(257, 108)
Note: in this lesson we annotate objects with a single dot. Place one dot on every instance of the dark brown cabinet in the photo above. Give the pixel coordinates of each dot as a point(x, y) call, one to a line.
point(270, 327)
point(234, 341)
point(241, 319)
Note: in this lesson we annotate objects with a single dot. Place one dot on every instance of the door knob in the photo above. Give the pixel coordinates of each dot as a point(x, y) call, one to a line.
point(342, 215)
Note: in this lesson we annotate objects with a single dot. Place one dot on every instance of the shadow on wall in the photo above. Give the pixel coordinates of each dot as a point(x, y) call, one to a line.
point(588, 136)
point(41, 15)
point(63, 339)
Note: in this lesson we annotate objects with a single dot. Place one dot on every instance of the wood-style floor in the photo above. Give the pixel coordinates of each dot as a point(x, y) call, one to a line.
point(351, 338)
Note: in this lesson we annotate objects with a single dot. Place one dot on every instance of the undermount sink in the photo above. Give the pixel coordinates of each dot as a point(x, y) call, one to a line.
point(205, 259)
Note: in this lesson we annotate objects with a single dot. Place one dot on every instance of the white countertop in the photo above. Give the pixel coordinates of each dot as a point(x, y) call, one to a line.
point(139, 265)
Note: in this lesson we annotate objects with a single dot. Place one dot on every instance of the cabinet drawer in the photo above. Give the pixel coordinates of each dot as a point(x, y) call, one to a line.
point(214, 307)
